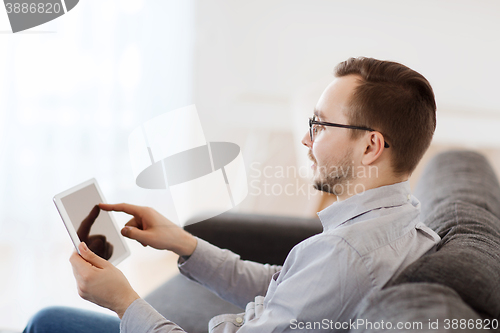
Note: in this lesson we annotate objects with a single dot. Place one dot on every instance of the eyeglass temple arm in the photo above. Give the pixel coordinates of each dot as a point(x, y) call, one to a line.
point(311, 122)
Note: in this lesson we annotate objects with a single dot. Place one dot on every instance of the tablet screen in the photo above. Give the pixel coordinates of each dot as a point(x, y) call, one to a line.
point(93, 225)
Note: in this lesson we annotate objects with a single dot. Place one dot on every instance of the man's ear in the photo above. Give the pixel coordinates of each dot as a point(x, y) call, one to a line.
point(374, 146)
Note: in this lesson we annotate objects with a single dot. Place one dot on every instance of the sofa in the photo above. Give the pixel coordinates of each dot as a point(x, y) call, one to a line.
point(454, 288)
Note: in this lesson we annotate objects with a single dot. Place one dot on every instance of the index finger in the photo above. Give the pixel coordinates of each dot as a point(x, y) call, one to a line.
point(121, 207)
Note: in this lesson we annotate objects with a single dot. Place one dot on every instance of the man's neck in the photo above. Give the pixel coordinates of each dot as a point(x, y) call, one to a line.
point(359, 185)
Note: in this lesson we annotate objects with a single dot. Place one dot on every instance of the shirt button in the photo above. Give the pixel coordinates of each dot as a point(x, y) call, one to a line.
point(409, 196)
point(239, 320)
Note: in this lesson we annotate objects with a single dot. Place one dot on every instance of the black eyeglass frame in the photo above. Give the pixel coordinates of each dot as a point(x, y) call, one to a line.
point(312, 121)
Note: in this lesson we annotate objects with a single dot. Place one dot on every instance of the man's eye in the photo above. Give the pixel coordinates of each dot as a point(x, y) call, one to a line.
point(318, 128)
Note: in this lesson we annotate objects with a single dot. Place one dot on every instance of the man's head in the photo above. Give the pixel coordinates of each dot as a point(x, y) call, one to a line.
point(393, 100)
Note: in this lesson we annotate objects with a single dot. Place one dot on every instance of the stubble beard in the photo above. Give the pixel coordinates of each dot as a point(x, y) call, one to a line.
point(333, 178)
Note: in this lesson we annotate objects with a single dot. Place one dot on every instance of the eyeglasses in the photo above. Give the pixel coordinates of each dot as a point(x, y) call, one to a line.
point(313, 130)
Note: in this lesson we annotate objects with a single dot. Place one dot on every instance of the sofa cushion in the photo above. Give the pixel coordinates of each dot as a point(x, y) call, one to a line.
point(467, 258)
point(414, 307)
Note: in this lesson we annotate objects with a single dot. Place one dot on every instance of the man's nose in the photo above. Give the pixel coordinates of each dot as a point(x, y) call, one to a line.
point(306, 140)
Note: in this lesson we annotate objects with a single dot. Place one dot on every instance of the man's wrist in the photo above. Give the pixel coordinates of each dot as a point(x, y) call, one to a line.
point(187, 245)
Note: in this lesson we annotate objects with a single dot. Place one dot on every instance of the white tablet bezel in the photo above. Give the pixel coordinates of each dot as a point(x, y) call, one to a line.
point(71, 229)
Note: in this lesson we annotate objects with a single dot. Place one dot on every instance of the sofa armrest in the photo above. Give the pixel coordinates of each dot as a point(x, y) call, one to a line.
point(261, 238)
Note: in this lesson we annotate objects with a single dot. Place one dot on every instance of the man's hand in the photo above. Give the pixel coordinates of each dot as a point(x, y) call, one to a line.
point(100, 282)
point(149, 227)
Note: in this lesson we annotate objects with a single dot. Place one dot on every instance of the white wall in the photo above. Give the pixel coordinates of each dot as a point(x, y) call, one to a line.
point(261, 60)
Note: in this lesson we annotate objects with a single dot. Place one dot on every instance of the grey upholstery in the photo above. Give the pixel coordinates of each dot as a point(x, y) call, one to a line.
point(457, 175)
point(467, 260)
point(412, 306)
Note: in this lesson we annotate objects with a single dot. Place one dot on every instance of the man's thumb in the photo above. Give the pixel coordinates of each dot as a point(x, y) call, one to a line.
point(90, 256)
point(134, 233)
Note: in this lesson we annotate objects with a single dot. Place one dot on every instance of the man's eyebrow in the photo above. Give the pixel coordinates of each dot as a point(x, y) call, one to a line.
point(318, 114)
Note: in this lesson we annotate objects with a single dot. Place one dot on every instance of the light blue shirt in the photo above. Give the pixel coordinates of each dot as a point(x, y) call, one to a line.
point(367, 239)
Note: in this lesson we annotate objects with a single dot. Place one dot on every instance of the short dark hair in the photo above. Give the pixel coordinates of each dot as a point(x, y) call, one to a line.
point(398, 102)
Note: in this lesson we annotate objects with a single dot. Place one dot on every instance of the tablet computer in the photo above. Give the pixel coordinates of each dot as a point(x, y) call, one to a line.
point(86, 222)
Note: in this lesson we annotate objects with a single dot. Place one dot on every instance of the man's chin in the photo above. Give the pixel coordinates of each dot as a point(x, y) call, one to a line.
point(324, 187)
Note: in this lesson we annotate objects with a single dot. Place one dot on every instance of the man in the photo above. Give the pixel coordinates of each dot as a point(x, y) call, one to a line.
point(370, 128)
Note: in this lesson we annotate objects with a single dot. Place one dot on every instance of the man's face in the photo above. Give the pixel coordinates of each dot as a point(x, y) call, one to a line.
point(332, 149)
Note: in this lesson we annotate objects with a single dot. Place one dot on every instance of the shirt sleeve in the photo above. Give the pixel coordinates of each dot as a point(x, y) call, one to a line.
point(224, 273)
point(140, 317)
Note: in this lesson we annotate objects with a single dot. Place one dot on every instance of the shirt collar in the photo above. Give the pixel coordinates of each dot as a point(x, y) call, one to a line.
point(385, 196)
